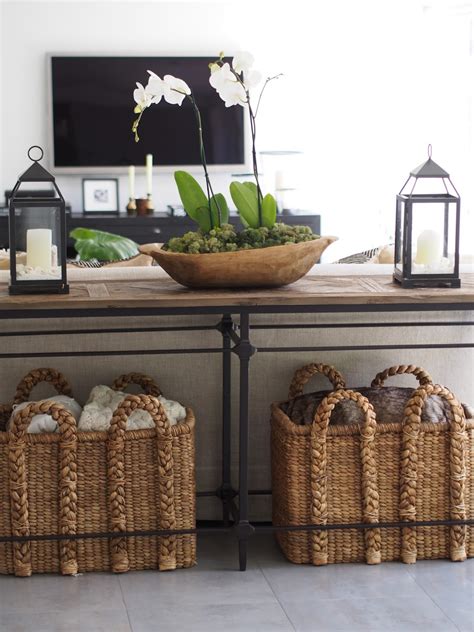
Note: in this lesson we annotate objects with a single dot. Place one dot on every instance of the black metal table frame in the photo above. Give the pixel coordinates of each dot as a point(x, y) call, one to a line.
point(236, 340)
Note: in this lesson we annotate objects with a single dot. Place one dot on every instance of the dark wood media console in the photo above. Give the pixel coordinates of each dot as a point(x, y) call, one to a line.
point(159, 227)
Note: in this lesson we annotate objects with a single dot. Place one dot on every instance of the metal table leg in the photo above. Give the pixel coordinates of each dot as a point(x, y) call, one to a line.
point(226, 493)
point(245, 351)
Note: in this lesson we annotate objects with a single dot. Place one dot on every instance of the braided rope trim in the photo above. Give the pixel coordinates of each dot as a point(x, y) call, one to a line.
point(421, 375)
point(67, 492)
point(408, 471)
point(5, 414)
point(301, 377)
point(370, 494)
point(147, 383)
point(54, 377)
point(116, 479)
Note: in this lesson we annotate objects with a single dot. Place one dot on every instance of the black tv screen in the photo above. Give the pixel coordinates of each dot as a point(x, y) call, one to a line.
point(92, 114)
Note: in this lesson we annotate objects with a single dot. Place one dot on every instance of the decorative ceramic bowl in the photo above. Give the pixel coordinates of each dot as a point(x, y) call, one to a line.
point(261, 267)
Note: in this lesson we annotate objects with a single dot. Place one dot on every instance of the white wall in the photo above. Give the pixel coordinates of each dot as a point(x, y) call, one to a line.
point(366, 87)
point(2, 64)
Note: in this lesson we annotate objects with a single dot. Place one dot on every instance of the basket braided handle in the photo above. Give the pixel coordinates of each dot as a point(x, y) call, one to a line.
point(148, 384)
point(36, 376)
point(5, 413)
point(116, 476)
point(18, 481)
point(457, 465)
point(421, 375)
point(301, 377)
point(370, 494)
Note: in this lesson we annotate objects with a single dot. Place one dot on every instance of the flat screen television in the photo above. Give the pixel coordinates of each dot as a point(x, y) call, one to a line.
point(91, 114)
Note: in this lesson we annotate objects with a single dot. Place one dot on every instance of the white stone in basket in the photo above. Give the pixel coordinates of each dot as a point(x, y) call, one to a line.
point(103, 401)
point(45, 423)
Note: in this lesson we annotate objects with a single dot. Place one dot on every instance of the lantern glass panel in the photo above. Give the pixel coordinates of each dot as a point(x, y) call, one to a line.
point(433, 237)
point(38, 234)
point(399, 234)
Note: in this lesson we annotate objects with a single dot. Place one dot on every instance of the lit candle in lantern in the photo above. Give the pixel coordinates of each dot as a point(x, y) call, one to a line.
point(149, 172)
point(131, 182)
point(38, 248)
point(429, 248)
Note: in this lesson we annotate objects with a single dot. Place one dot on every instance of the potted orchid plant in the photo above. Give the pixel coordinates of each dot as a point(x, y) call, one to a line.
point(235, 83)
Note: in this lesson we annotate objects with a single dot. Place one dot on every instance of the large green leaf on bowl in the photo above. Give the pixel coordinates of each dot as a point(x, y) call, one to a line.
point(97, 244)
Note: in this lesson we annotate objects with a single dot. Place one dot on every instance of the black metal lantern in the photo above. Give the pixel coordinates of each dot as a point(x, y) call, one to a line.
point(427, 229)
point(37, 236)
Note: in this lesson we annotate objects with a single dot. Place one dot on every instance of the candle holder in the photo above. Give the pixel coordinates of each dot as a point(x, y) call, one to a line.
point(37, 226)
point(131, 207)
point(142, 206)
point(149, 204)
point(427, 229)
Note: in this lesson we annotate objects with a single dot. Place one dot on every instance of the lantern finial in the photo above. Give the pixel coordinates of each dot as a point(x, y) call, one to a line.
point(430, 149)
point(36, 172)
point(31, 157)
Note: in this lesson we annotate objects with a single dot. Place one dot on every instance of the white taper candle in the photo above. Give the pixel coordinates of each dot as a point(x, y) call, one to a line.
point(131, 182)
point(149, 174)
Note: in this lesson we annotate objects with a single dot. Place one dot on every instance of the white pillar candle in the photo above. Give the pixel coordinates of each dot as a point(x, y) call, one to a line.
point(149, 173)
point(131, 182)
point(38, 248)
point(429, 248)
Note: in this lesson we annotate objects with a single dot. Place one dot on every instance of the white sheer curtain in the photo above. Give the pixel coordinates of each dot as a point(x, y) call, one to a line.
point(367, 86)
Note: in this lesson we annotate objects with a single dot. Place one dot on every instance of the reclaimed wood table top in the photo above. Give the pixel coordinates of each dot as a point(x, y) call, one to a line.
point(311, 291)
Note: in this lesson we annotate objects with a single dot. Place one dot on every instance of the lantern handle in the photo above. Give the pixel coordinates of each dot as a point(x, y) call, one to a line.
point(430, 150)
point(35, 159)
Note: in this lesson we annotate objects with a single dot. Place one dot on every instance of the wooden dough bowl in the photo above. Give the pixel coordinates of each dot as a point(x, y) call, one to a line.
point(263, 267)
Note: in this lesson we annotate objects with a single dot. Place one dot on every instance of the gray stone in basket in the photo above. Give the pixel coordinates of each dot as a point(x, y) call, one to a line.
point(389, 404)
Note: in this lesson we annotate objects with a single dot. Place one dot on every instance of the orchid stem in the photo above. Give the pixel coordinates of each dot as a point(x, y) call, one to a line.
point(268, 79)
point(253, 130)
point(210, 192)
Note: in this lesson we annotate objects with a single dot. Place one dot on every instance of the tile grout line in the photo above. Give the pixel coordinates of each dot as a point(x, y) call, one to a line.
point(276, 596)
point(125, 605)
point(412, 575)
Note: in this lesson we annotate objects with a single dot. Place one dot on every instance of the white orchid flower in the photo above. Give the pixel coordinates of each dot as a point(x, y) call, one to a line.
point(175, 90)
point(220, 75)
point(142, 97)
point(252, 78)
point(233, 93)
point(242, 62)
point(227, 86)
point(155, 87)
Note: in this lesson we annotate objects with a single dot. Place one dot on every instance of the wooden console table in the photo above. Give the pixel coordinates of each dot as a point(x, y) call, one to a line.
point(313, 294)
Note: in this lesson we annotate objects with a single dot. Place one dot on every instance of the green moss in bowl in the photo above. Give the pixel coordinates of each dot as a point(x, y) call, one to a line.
point(226, 239)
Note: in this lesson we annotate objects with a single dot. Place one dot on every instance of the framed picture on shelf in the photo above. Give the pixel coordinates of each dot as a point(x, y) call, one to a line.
point(100, 195)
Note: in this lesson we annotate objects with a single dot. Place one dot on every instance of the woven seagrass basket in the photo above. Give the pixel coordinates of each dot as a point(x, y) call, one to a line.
point(372, 472)
point(72, 482)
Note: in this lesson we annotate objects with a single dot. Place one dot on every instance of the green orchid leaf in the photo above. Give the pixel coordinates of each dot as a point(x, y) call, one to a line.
point(246, 203)
point(191, 194)
point(219, 199)
point(252, 187)
point(97, 244)
point(244, 223)
point(203, 218)
point(269, 210)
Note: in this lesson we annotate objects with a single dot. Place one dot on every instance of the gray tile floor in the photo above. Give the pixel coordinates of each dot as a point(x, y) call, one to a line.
point(272, 596)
